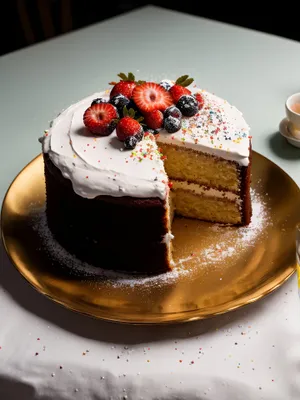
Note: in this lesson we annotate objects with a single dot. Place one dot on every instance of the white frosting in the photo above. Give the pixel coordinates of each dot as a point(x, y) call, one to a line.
point(219, 129)
point(100, 166)
point(204, 191)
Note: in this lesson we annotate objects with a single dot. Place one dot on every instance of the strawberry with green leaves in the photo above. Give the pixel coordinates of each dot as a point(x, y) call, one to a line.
point(125, 86)
point(180, 87)
point(128, 126)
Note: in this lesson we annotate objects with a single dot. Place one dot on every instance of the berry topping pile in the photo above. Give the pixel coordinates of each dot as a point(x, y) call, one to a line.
point(135, 108)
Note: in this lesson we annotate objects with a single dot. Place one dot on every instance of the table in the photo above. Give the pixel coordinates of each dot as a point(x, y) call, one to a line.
point(48, 352)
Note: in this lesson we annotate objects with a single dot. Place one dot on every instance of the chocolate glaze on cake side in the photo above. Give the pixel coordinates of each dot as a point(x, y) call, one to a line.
point(108, 195)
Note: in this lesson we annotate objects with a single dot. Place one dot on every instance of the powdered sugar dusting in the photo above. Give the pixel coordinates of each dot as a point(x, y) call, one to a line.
point(231, 242)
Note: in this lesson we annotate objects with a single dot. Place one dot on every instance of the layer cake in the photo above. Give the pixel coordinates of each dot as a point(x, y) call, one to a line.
point(111, 203)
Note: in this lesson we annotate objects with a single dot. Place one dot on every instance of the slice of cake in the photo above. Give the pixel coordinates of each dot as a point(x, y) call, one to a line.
point(209, 163)
point(120, 163)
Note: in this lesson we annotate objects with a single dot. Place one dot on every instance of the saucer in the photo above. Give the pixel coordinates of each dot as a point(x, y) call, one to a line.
point(283, 129)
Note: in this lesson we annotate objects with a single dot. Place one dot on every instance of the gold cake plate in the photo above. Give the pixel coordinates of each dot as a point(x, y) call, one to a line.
point(217, 268)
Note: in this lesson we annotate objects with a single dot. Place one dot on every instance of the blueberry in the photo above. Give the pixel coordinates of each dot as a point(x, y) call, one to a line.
point(188, 105)
point(172, 124)
point(111, 126)
point(165, 85)
point(139, 136)
point(132, 104)
point(119, 101)
point(130, 142)
point(98, 101)
point(174, 111)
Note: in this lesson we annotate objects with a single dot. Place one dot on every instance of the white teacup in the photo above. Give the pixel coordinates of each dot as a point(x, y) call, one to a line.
point(292, 109)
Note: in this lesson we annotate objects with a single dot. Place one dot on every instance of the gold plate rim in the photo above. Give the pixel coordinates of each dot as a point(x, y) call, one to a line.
point(172, 317)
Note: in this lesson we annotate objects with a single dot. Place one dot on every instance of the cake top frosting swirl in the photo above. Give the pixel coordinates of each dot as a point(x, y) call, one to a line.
point(100, 165)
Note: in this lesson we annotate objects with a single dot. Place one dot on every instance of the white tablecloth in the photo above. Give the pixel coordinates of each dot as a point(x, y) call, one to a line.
point(48, 352)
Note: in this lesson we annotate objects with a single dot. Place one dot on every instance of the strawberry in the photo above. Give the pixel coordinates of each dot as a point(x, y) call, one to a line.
point(100, 119)
point(154, 119)
point(200, 100)
point(151, 96)
point(177, 91)
point(128, 126)
point(180, 87)
point(125, 86)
